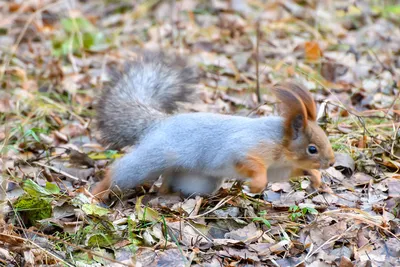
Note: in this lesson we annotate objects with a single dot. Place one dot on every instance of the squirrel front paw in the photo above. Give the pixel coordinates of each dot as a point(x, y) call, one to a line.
point(315, 178)
point(258, 182)
point(256, 188)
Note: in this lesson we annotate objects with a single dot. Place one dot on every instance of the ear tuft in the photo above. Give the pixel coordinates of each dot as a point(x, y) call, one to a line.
point(294, 112)
point(304, 96)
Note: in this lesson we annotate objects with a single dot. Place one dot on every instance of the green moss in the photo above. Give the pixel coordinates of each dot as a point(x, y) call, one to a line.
point(33, 208)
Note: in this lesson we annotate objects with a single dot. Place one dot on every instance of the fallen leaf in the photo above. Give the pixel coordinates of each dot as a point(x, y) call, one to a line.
point(344, 163)
point(249, 233)
point(312, 52)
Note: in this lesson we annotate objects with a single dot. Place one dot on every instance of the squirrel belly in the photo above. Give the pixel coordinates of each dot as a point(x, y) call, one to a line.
point(189, 183)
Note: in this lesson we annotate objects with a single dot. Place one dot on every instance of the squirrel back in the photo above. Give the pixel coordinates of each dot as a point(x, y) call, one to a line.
point(144, 93)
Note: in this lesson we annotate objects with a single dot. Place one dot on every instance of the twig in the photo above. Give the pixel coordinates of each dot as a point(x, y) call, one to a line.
point(220, 204)
point(394, 102)
point(258, 34)
point(60, 172)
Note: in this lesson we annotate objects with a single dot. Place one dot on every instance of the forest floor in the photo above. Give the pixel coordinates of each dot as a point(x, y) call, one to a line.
point(55, 57)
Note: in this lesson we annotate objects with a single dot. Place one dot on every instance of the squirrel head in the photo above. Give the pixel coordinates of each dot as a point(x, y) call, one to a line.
point(306, 144)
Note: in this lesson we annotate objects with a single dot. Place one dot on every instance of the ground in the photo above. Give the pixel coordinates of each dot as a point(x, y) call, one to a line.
point(55, 57)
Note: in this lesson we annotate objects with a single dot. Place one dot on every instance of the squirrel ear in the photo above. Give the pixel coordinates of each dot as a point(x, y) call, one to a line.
point(294, 112)
point(304, 96)
point(297, 126)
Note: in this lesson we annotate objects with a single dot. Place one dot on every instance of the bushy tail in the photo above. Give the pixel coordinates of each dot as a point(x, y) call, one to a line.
point(145, 93)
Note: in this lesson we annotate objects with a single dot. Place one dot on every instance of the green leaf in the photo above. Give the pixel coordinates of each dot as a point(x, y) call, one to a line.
point(37, 139)
point(92, 209)
point(310, 210)
point(33, 189)
point(33, 134)
point(110, 153)
point(76, 24)
point(294, 216)
point(263, 220)
point(262, 213)
point(293, 208)
point(146, 213)
point(52, 188)
point(99, 240)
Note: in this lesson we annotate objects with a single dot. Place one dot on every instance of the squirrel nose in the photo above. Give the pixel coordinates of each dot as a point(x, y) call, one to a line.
point(331, 163)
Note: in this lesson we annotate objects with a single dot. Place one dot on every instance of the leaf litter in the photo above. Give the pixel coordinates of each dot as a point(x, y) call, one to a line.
point(54, 58)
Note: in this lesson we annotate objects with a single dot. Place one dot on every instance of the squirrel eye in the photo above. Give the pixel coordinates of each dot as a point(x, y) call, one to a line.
point(312, 149)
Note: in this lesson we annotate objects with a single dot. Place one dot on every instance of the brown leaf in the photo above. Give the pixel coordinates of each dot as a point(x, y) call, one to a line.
point(345, 262)
point(239, 254)
point(325, 199)
point(151, 258)
point(279, 247)
point(345, 163)
point(290, 199)
point(360, 178)
point(284, 186)
point(73, 130)
point(186, 233)
point(79, 158)
point(312, 51)
point(249, 233)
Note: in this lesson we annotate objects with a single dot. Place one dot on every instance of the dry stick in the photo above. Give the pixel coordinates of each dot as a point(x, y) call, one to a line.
point(220, 204)
point(383, 125)
point(396, 130)
point(394, 102)
point(59, 240)
point(60, 172)
point(257, 61)
point(199, 232)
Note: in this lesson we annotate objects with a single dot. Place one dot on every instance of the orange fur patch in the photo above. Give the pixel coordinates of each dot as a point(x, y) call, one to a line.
point(254, 167)
point(102, 188)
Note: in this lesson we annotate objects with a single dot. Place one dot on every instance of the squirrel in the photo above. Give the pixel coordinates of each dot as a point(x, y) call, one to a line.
point(194, 152)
